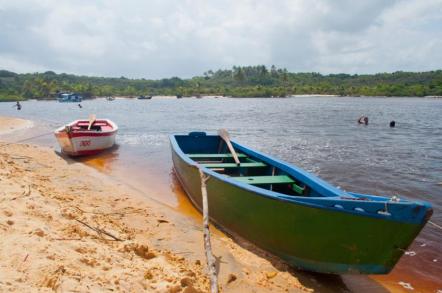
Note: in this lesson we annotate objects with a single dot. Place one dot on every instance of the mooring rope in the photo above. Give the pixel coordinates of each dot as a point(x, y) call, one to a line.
point(435, 225)
point(26, 139)
point(32, 137)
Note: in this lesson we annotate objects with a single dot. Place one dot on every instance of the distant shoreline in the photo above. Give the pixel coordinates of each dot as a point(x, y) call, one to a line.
point(239, 81)
point(118, 97)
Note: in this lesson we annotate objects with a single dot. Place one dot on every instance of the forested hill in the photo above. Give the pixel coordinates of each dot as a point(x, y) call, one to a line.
point(249, 81)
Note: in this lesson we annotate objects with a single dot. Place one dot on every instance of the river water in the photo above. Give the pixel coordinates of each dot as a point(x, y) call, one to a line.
point(319, 134)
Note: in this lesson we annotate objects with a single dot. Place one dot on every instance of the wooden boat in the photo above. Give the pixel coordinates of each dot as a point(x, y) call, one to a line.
point(144, 97)
point(293, 214)
point(86, 137)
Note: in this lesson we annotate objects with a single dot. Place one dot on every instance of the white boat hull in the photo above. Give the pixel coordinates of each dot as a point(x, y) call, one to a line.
point(82, 143)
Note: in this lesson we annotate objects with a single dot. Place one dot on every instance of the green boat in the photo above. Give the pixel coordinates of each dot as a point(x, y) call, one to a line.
point(293, 214)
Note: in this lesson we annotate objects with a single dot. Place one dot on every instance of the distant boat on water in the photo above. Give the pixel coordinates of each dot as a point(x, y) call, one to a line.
point(86, 137)
point(293, 214)
point(144, 97)
point(110, 98)
point(69, 98)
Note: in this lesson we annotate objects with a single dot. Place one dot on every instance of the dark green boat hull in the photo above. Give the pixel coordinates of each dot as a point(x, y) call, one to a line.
point(306, 237)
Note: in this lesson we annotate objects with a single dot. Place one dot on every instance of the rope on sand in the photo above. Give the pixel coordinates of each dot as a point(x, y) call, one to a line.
point(36, 136)
point(435, 225)
point(25, 139)
point(207, 244)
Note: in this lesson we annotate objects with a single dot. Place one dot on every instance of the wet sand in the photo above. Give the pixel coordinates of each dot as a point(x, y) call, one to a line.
point(10, 124)
point(67, 227)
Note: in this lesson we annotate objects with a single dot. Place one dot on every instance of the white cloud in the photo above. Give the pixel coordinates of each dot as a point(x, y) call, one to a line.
point(155, 39)
point(12, 62)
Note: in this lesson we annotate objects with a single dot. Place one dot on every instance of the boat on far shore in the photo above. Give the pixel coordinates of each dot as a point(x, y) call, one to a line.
point(144, 97)
point(86, 137)
point(69, 98)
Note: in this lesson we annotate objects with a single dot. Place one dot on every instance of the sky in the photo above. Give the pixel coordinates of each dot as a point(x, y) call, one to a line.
point(164, 38)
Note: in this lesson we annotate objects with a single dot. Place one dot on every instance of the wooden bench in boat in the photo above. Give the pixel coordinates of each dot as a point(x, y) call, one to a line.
point(217, 156)
point(234, 165)
point(253, 180)
point(256, 180)
point(279, 179)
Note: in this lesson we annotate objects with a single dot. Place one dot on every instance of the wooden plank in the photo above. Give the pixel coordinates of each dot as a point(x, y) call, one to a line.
point(211, 261)
point(256, 180)
point(215, 155)
point(225, 135)
point(92, 119)
point(234, 165)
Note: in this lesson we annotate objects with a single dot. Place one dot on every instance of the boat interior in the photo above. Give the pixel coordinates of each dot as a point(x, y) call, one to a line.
point(97, 125)
point(213, 153)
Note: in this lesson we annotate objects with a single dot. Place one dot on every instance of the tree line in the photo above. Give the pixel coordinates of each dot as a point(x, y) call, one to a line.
point(239, 81)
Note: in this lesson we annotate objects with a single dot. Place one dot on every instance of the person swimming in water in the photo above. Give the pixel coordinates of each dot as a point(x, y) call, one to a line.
point(392, 123)
point(363, 120)
point(18, 106)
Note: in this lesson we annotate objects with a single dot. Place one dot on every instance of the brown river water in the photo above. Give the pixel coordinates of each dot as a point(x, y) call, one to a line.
point(318, 134)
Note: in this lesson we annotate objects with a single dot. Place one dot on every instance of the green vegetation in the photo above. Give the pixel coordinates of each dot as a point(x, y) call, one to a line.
point(249, 81)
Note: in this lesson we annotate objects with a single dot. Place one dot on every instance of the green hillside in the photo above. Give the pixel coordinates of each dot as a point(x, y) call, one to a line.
point(249, 81)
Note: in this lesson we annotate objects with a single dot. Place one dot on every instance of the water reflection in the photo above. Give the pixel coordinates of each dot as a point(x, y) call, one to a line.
point(184, 204)
point(104, 161)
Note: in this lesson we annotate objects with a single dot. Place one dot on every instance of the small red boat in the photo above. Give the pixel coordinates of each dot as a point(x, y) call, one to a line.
point(86, 137)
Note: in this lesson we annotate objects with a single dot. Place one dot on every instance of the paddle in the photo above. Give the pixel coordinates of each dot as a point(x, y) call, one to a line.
point(225, 136)
point(91, 121)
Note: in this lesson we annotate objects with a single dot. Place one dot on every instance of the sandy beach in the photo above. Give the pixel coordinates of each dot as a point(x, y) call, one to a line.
point(66, 227)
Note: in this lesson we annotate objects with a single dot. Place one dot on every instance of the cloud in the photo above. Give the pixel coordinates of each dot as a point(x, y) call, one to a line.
point(155, 39)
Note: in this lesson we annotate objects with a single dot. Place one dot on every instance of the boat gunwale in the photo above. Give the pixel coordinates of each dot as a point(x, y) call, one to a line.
point(308, 201)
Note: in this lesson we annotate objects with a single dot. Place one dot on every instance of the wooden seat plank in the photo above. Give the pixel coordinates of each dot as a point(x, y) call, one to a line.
point(214, 155)
point(256, 180)
point(234, 165)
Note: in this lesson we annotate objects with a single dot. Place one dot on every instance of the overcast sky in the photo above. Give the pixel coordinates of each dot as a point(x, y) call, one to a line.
point(164, 38)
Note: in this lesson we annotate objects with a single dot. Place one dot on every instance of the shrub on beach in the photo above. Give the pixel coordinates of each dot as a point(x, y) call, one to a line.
point(10, 98)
